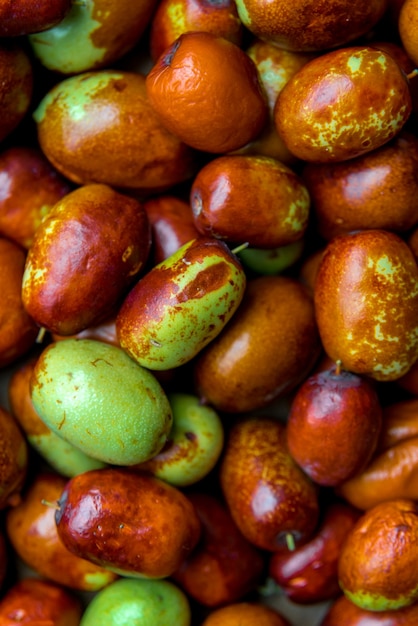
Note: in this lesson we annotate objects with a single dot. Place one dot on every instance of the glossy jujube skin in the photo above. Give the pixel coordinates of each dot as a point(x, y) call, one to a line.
point(145, 602)
point(16, 85)
point(18, 330)
point(94, 396)
point(272, 501)
point(328, 408)
point(32, 532)
point(30, 188)
point(127, 521)
point(343, 104)
point(181, 304)
point(377, 565)
point(391, 473)
point(33, 601)
point(254, 199)
point(84, 257)
point(223, 556)
point(171, 19)
point(92, 35)
point(344, 613)
point(309, 574)
point(119, 139)
point(266, 350)
point(376, 190)
point(172, 225)
point(366, 303)
point(310, 25)
point(18, 18)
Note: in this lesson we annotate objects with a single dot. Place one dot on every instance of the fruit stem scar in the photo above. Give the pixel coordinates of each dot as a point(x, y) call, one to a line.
point(338, 365)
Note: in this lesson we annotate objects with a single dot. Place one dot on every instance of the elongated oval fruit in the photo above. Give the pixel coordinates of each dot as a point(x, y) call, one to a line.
point(343, 104)
point(127, 521)
point(180, 305)
point(97, 398)
point(84, 257)
point(366, 303)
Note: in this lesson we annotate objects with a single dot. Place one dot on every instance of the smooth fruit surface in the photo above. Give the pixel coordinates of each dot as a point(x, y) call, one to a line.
point(129, 602)
point(97, 398)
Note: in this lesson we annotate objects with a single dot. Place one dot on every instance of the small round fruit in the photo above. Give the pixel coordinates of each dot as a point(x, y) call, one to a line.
point(245, 614)
point(207, 92)
point(407, 25)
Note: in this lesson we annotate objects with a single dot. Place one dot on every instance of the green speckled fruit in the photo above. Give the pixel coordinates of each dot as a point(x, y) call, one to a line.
point(129, 602)
point(94, 34)
point(94, 396)
point(194, 444)
point(180, 305)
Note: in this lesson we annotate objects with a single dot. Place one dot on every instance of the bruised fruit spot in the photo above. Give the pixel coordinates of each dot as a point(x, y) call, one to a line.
point(206, 281)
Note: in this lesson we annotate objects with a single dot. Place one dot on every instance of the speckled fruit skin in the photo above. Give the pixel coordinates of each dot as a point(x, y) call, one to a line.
point(267, 493)
point(97, 398)
point(250, 198)
point(309, 574)
point(377, 565)
point(310, 25)
point(127, 521)
point(344, 613)
point(376, 190)
point(99, 127)
point(92, 35)
point(61, 455)
point(18, 330)
point(266, 350)
point(84, 257)
point(36, 601)
point(194, 444)
point(329, 408)
point(145, 602)
point(181, 305)
point(366, 303)
point(343, 104)
point(32, 532)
